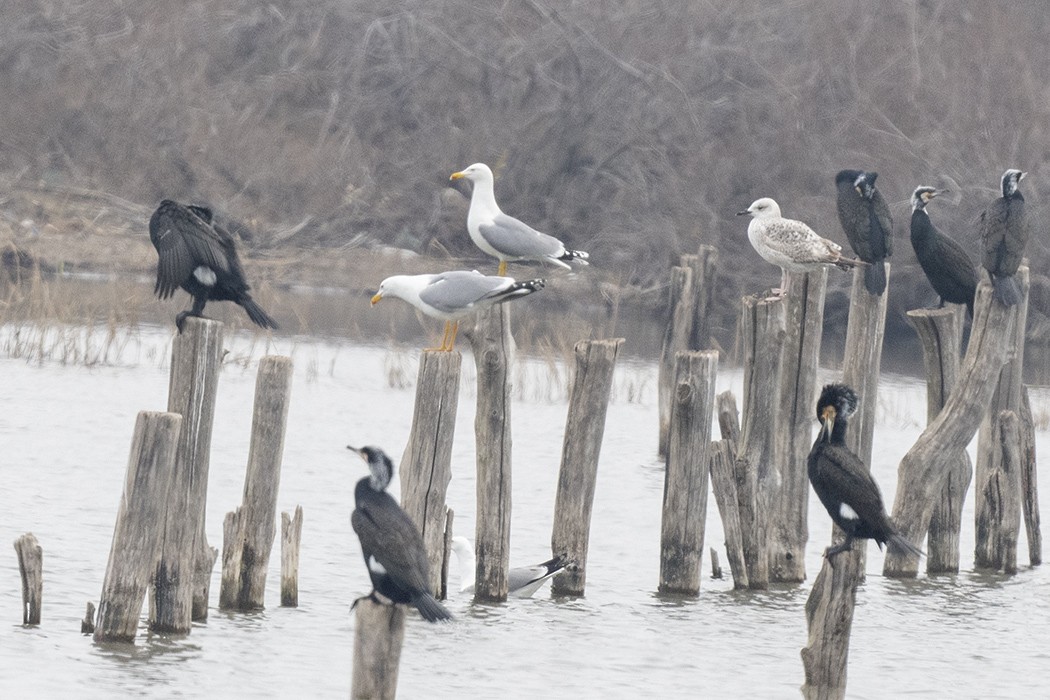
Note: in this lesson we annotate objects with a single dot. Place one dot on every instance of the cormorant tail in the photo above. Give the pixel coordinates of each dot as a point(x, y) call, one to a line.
point(1006, 290)
point(875, 277)
point(903, 546)
point(430, 609)
point(575, 256)
point(256, 313)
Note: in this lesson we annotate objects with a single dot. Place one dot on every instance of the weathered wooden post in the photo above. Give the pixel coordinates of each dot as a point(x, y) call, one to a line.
point(137, 534)
point(291, 535)
point(379, 634)
point(581, 447)
point(87, 625)
point(181, 581)
point(685, 476)
point(829, 619)
point(31, 567)
point(1029, 483)
point(862, 360)
point(789, 522)
point(722, 461)
point(676, 339)
point(705, 272)
point(999, 501)
point(940, 332)
point(249, 531)
point(426, 467)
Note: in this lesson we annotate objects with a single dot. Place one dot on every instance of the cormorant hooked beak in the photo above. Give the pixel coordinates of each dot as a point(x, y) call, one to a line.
point(827, 422)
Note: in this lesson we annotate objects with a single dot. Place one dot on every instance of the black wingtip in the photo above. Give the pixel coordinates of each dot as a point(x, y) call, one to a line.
point(1006, 290)
point(257, 315)
point(430, 609)
point(875, 278)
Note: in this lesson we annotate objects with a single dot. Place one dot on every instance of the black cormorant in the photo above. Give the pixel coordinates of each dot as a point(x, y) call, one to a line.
point(950, 270)
point(842, 483)
point(1004, 235)
point(199, 255)
point(865, 217)
point(390, 541)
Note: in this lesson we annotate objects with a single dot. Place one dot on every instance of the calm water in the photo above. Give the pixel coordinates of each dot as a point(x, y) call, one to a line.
point(65, 433)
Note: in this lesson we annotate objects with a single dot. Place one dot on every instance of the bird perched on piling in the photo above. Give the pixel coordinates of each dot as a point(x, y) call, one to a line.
point(865, 218)
point(502, 236)
point(1004, 235)
point(949, 268)
point(453, 295)
point(197, 254)
point(390, 542)
point(522, 581)
point(790, 244)
point(841, 481)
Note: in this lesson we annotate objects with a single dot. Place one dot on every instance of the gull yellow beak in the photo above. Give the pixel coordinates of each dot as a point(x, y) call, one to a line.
point(457, 176)
point(376, 298)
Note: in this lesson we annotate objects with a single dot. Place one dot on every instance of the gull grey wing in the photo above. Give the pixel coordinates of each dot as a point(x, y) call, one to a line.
point(799, 242)
point(453, 292)
point(514, 238)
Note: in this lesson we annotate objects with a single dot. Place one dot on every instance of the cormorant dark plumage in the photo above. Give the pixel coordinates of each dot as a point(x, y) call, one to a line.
point(841, 481)
point(1004, 235)
point(200, 256)
point(865, 218)
point(390, 542)
point(949, 268)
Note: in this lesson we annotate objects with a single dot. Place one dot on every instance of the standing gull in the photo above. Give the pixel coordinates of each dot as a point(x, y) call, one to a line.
point(504, 237)
point(948, 267)
point(865, 218)
point(1004, 234)
point(453, 295)
point(790, 244)
point(522, 581)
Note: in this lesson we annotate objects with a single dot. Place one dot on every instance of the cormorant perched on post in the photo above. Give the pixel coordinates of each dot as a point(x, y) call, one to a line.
point(865, 217)
point(198, 255)
point(949, 268)
point(842, 483)
point(1004, 235)
point(390, 542)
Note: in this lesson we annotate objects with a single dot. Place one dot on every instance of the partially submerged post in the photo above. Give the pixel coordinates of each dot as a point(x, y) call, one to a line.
point(31, 567)
point(685, 478)
point(379, 634)
point(248, 532)
point(676, 339)
point(291, 535)
point(1029, 481)
point(999, 500)
point(722, 463)
point(829, 619)
point(581, 447)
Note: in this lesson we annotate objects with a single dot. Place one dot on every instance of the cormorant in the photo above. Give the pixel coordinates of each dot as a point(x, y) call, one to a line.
point(1004, 235)
point(790, 244)
point(843, 485)
point(502, 236)
point(865, 217)
point(522, 581)
point(453, 295)
point(949, 268)
point(390, 541)
point(198, 255)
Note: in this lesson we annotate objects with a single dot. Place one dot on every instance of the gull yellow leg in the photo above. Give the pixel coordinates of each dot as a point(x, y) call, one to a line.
point(452, 340)
point(502, 268)
point(444, 338)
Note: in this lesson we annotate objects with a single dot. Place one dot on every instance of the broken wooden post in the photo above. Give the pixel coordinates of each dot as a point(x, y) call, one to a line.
point(426, 467)
point(829, 619)
point(685, 476)
point(716, 568)
point(1029, 483)
point(31, 567)
point(183, 575)
point(789, 521)
point(940, 333)
point(581, 447)
point(998, 503)
point(722, 461)
point(676, 339)
point(705, 273)
point(291, 535)
point(249, 531)
point(151, 471)
point(87, 625)
point(378, 636)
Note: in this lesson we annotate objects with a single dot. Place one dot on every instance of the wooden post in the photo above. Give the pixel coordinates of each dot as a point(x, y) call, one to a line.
point(999, 500)
point(789, 521)
point(685, 477)
point(940, 332)
point(829, 619)
point(426, 467)
point(446, 551)
point(716, 568)
point(862, 360)
point(87, 625)
point(137, 534)
point(581, 447)
point(493, 347)
point(923, 470)
point(722, 458)
point(291, 535)
point(1029, 483)
point(248, 532)
point(379, 634)
point(705, 273)
point(180, 592)
point(31, 567)
point(676, 339)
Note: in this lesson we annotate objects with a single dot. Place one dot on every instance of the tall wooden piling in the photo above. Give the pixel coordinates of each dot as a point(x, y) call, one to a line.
point(676, 340)
point(581, 447)
point(829, 619)
point(426, 467)
point(722, 462)
point(181, 581)
point(704, 265)
point(151, 471)
point(378, 636)
point(248, 532)
point(862, 360)
point(31, 567)
point(1029, 483)
point(998, 503)
point(291, 536)
point(685, 476)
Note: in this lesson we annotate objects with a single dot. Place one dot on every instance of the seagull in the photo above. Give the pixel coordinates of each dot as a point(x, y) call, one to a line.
point(504, 237)
point(453, 295)
point(522, 581)
point(197, 254)
point(865, 218)
point(790, 244)
point(842, 482)
point(948, 267)
point(1004, 233)
point(390, 542)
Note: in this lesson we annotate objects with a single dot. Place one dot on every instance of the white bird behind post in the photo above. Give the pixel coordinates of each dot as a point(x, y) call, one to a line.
point(522, 581)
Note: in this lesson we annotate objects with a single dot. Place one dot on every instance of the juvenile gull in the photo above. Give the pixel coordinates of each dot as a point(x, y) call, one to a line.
point(453, 295)
point(1004, 234)
point(522, 581)
point(865, 218)
point(948, 267)
point(504, 237)
point(790, 244)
